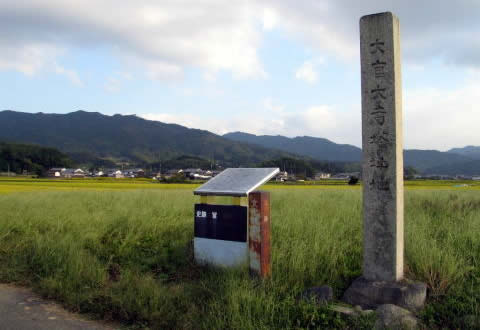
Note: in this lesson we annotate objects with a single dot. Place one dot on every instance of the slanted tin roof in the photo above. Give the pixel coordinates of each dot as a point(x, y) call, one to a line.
point(236, 182)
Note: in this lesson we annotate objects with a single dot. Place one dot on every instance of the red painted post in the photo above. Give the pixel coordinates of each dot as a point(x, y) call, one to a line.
point(259, 233)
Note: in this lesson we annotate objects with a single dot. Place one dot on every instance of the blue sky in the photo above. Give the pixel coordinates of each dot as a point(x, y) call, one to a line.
point(264, 67)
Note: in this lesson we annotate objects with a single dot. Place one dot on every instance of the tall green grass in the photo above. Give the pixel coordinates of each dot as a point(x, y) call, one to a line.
point(128, 256)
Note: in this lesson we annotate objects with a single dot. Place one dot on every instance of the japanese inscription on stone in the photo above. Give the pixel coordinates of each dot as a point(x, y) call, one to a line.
point(382, 147)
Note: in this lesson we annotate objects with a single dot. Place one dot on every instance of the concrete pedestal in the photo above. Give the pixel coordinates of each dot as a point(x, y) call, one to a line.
point(371, 294)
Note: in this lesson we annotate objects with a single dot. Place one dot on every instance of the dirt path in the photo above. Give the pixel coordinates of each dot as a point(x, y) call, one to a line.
point(21, 309)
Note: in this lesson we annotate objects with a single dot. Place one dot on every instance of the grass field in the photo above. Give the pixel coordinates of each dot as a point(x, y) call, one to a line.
point(11, 184)
point(23, 184)
point(123, 250)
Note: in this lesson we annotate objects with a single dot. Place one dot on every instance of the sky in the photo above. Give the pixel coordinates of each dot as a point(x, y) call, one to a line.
point(276, 67)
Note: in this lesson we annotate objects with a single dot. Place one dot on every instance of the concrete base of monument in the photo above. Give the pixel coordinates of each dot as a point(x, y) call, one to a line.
point(371, 294)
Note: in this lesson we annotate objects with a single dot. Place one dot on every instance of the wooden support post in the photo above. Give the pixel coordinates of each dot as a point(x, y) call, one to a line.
point(259, 233)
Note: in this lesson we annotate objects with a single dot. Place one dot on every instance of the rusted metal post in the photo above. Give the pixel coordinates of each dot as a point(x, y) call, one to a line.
point(259, 233)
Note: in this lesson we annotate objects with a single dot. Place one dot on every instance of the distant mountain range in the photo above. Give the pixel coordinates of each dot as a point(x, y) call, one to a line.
point(94, 137)
point(468, 151)
point(455, 161)
point(317, 148)
point(84, 134)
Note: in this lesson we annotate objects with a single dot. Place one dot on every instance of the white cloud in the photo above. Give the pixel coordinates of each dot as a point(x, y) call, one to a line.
point(269, 18)
point(269, 105)
point(433, 119)
point(318, 120)
point(70, 74)
point(442, 119)
point(306, 72)
point(29, 58)
point(210, 76)
point(163, 37)
point(167, 37)
point(112, 84)
point(446, 30)
point(115, 82)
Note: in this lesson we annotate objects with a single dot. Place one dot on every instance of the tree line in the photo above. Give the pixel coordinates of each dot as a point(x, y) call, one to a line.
point(18, 158)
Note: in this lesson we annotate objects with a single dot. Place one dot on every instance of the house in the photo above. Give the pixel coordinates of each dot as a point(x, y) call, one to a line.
point(190, 172)
point(281, 176)
point(171, 173)
point(78, 173)
point(55, 172)
point(197, 176)
point(68, 173)
point(134, 173)
point(119, 175)
point(139, 173)
point(322, 175)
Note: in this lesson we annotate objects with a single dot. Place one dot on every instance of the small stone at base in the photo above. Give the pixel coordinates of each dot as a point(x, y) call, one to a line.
point(321, 294)
point(393, 317)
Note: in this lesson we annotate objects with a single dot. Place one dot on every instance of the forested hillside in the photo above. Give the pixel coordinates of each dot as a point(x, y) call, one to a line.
point(126, 138)
point(17, 158)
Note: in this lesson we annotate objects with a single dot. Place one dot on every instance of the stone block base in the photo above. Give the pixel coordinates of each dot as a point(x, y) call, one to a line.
point(371, 294)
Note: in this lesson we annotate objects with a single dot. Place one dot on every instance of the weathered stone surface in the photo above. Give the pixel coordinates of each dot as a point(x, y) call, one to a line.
point(382, 147)
point(371, 294)
point(321, 294)
point(382, 144)
point(393, 317)
point(367, 311)
point(349, 311)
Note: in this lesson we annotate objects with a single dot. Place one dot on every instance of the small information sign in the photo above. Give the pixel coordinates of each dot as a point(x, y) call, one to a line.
point(221, 222)
point(222, 232)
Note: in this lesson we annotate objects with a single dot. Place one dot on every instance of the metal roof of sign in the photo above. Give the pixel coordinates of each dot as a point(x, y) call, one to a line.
point(236, 181)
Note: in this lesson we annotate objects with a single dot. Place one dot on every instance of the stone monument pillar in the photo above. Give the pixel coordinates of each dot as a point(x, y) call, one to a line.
point(382, 171)
point(382, 147)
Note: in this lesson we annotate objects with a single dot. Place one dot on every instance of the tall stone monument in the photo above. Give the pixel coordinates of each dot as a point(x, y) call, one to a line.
point(382, 147)
point(382, 142)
